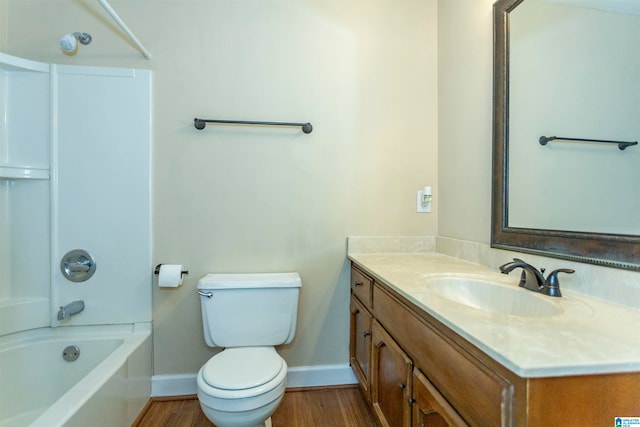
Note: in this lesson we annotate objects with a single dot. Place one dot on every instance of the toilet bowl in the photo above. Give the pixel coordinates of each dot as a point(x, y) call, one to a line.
point(242, 387)
point(247, 315)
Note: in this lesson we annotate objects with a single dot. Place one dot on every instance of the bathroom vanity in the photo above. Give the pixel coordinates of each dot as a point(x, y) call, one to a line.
point(425, 357)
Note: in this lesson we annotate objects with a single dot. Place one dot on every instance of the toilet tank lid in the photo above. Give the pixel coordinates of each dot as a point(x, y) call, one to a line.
point(250, 280)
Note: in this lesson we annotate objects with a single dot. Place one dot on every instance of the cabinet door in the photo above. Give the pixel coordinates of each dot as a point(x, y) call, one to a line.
point(360, 344)
point(430, 409)
point(390, 380)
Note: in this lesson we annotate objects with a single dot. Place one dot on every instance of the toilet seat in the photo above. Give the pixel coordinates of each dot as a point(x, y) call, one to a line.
point(243, 367)
point(242, 372)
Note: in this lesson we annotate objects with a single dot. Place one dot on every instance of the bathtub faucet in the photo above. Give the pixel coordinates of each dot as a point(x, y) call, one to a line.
point(70, 309)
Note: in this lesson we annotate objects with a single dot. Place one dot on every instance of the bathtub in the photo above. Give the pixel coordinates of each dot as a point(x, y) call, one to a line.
point(108, 384)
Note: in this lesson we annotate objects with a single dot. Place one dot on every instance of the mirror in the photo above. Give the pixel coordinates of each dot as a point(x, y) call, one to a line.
point(567, 69)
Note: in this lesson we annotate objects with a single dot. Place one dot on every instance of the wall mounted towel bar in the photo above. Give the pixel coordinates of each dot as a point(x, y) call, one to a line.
point(621, 144)
point(201, 123)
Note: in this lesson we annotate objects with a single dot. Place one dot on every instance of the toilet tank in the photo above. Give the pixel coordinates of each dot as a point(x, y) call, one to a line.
point(257, 309)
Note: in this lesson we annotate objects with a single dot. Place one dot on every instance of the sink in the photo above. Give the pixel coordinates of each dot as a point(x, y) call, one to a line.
point(493, 297)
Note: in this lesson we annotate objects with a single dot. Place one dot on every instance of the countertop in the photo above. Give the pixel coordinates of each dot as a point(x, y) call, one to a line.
point(586, 336)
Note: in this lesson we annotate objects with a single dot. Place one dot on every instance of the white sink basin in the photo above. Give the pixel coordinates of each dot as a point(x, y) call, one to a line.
point(494, 297)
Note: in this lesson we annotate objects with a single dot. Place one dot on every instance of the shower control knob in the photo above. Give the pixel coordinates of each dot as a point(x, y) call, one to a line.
point(77, 265)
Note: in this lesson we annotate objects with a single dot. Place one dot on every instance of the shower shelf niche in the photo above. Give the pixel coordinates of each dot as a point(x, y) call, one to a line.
point(25, 106)
point(25, 191)
point(10, 172)
point(19, 314)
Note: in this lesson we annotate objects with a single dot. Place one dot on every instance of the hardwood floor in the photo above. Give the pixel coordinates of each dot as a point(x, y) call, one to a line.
point(309, 407)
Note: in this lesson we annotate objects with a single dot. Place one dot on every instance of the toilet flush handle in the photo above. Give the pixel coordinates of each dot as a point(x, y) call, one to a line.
point(205, 294)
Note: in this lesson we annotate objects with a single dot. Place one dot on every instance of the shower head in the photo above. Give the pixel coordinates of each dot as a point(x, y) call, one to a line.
point(69, 42)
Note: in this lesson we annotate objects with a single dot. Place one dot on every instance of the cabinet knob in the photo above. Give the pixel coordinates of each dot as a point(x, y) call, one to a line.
point(359, 283)
point(366, 333)
point(402, 386)
point(411, 400)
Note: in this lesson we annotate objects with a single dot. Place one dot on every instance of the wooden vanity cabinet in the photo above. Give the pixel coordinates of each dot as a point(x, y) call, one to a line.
point(416, 375)
point(418, 372)
point(360, 330)
point(480, 390)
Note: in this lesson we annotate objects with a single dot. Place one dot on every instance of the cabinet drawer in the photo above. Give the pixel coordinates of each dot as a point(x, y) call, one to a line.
point(361, 286)
point(480, 395)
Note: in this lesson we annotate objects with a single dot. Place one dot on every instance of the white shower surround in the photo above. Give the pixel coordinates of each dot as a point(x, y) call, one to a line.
point(75, 173)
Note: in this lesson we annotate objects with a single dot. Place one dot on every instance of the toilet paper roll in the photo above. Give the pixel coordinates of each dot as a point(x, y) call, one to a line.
point(170, 276)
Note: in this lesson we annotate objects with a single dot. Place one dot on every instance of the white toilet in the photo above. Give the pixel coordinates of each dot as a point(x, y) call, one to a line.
point(247, 314)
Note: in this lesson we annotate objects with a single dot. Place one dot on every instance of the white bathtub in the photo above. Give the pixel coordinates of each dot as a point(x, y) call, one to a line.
point(107, 385)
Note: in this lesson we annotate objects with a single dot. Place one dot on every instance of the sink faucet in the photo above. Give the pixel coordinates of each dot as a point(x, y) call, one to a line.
point(70, 309)
point(533, 279)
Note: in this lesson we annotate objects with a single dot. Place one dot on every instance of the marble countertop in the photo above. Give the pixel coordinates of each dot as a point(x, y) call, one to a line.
point(585, 336)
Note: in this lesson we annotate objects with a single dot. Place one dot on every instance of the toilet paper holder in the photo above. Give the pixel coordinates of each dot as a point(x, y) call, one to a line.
point(156, 271)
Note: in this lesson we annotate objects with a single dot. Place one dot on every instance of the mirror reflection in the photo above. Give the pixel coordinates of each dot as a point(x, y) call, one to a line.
point(573, 73)
point(565, 70)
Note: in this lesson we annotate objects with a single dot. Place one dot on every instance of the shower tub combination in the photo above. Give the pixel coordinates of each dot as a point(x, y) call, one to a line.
point(42, 141)
point(108, 383)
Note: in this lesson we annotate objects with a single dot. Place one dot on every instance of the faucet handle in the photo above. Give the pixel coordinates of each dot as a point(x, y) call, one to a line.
point(552, 284)
point(554, 274)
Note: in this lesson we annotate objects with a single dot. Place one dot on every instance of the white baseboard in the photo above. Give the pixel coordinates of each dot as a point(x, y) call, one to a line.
point(173, 385)
point(314, 376)
point(302, 376)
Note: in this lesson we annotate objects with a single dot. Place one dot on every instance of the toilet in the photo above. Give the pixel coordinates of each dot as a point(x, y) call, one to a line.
point(247, 315)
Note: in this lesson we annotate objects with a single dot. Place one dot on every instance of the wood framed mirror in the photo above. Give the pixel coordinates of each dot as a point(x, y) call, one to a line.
point(536, 95)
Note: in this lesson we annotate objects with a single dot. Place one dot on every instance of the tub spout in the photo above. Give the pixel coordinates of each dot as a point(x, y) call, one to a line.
point(70, 309)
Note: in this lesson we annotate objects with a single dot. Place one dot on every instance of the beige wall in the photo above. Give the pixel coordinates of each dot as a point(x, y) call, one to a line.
point(465, 85)
point(251, 199)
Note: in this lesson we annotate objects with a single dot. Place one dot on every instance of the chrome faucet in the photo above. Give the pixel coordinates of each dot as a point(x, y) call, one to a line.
point(533, 279)
point(70, 309)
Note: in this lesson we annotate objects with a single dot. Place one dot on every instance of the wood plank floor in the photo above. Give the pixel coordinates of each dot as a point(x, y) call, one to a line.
point(309, 407)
